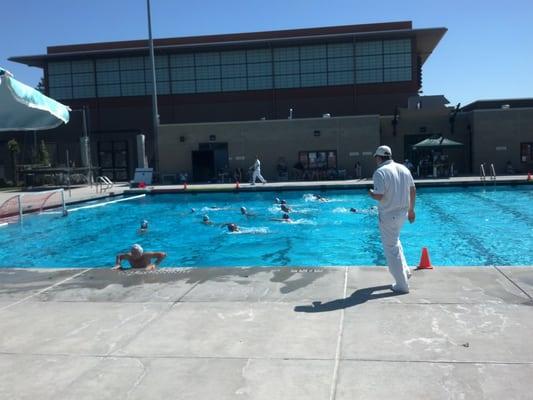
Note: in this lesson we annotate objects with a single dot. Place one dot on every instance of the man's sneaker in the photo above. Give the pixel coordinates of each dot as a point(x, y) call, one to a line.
point(396, 289)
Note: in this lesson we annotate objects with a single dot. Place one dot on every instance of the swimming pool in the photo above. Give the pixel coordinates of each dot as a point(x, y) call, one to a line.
point(461, 226)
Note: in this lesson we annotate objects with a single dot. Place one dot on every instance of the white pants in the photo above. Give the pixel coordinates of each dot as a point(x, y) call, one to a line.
point(390, 225)
point(257, 174)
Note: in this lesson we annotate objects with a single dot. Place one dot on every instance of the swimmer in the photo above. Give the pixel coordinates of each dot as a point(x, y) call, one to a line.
point(244, 211)
point(140, 259)
point(193, 210)
point(233, 228)
point(206, 220)
point(285, 218)
point(285, 208)
point(319, 198)
point(144, 227)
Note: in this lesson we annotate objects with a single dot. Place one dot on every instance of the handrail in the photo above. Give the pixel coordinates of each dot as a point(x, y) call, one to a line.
point(101, 181)
point(482, 175)
point(492, 172)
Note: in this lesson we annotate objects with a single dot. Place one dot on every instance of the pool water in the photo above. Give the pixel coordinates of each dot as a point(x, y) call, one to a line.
point(459, 226)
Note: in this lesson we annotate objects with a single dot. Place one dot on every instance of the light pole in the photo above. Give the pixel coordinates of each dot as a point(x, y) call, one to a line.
point(155, 114)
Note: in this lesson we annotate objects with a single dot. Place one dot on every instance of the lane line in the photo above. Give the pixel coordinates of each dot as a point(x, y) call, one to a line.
point(44, 290)
point(106, 203)
point(513, 282)
point(333, 391)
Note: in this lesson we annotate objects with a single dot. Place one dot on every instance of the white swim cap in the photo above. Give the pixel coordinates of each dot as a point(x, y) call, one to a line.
point(137, 248)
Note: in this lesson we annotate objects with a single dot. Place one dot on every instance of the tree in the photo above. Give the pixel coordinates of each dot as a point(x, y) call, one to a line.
point(40, 86)
point(44, 157)
point(14, 149)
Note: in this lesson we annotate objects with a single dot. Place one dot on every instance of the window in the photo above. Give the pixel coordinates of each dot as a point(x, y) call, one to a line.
point(286, 53)
point(232, 84)
point(287, 81)
point(260, 82)
point(259, 55)
point(308, 80)
point(526, 152)
point(322, 159)
point(260, 69)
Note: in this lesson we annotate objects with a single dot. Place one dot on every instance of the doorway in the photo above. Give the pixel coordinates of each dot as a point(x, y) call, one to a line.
point(203, 165)
point(113, 159)
point(209, 161)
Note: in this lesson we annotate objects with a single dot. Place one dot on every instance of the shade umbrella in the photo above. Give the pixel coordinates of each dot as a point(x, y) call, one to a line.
point(436, 143)
point(23, 108)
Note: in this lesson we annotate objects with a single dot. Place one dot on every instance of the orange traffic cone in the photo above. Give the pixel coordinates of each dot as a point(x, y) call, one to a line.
point(425, 263)
point(529, 177)
point(184, 185)
point(237, 186)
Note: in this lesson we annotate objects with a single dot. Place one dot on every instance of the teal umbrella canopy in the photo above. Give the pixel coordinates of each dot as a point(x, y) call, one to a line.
point(23, 108)
point(436, 143)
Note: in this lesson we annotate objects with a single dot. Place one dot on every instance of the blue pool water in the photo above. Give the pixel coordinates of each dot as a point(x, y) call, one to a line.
point(460, 226)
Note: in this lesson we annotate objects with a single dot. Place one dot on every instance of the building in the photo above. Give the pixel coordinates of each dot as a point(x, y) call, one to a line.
point(323, 96)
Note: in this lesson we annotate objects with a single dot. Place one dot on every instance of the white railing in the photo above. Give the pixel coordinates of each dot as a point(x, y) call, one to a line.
point(492, 172)
point(103, 183)
point(482, 175)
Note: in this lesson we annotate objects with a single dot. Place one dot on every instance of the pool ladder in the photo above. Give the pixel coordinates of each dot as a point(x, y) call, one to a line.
point(104, 183)
point(483, 176)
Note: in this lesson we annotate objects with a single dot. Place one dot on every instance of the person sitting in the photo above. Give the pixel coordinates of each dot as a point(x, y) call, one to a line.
point(139, 259)
point(237, 175)
point(282, 169)
point(298, 169)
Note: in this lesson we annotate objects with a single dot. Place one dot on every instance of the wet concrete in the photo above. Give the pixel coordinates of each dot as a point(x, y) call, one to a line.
point(266, 333)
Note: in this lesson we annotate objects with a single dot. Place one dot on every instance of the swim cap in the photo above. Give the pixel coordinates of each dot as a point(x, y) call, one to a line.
point(144, 224)
point(243, 210)
point(286, 216)
point(137, 248)
point(206, 217)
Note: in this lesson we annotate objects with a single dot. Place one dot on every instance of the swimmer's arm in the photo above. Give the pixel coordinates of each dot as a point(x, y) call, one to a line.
point(119, 258)
point(158, 255)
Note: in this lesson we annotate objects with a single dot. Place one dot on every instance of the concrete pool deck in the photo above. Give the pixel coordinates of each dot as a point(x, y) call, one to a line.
point(266, 333)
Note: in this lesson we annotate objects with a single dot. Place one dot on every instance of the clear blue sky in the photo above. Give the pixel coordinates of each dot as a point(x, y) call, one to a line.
point(486, 54)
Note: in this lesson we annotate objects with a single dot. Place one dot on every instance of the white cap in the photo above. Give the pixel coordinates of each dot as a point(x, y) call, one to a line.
point(383, 151)
point(138, 248)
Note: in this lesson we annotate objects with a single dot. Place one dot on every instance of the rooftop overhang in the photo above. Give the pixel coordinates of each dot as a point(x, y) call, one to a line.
point(425, 42)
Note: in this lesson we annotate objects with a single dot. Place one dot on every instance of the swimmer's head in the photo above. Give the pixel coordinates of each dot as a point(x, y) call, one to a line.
point(136, 251)
point(283, 201)
point(353, 209)
point(286, 216)
point(144, 224)
point(233, 228)
point(243, 210)
point(205, 218)
point(193, 210)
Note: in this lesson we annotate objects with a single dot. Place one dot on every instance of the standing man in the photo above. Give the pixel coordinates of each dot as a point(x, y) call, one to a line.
point(395, 190)
point(257, 171)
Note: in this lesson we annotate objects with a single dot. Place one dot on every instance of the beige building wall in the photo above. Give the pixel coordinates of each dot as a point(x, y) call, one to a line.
point(497, 135)
point(354, 139)
point(417, 124)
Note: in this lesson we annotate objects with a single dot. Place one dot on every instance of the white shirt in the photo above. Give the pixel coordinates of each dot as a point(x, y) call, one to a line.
point(257, 165)
point(393, 181)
